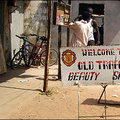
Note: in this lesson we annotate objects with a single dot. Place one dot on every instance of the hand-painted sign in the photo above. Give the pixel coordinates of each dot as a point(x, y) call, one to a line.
point(92, 65)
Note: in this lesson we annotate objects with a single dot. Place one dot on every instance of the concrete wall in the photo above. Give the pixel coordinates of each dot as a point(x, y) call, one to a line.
point(16, 27)
point(112, 23)
point(35, 18)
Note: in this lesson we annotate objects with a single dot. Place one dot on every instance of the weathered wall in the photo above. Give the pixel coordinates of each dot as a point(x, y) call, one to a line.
point(35, 20)
point(16, 27)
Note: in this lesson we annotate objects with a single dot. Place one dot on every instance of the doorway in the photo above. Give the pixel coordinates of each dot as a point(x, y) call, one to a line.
point(98, 14)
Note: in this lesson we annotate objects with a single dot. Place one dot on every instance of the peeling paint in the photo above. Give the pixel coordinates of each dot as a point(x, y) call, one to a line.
point(35, 19)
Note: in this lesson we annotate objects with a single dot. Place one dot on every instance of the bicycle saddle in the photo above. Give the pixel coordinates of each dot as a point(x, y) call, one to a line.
point(43, 38)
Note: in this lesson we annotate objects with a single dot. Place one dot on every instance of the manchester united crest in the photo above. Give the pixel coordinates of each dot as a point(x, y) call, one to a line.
point(68, 57)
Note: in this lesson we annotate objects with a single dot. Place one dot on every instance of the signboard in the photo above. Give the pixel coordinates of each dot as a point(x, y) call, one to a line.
point(61, 13)
point(91, 65)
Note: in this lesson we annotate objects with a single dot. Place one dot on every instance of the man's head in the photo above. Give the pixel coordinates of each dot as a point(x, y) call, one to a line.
point(90, 10)
point(86, 15)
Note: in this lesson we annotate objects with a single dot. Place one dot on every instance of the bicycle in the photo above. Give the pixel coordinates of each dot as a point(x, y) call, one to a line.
point(30, 52)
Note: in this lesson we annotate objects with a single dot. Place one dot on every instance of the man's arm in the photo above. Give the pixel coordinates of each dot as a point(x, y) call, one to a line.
point(95, 26)
point(79, 17)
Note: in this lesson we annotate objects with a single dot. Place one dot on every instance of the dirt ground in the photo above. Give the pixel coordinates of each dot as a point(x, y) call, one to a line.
point(21, 97)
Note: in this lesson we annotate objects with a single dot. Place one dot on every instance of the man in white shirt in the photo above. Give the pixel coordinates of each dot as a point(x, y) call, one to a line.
point(93, 27)
point(81, 31)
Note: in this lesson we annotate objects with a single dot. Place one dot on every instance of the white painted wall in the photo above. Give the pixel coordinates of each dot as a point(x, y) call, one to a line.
point(17, 27)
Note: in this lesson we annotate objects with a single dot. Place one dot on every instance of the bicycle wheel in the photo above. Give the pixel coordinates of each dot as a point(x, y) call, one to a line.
point(30, 61)
point(16, 59)
point(27, 58)
point(52, 57)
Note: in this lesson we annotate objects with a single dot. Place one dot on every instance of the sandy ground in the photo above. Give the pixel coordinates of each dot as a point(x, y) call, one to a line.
point(21, 97)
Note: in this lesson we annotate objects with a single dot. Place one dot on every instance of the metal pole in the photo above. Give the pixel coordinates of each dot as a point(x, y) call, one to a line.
point(59, 46)
point(105, 103)
point(78, 100)
point(48, 46)
point(104, 87)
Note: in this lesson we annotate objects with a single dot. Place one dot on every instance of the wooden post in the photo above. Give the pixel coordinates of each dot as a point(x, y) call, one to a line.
point(68, 36)
point(48, 46)
point(68, 31)
point(59, 46)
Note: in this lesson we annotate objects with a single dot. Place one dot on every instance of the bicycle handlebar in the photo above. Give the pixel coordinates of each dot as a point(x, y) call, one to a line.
point(43, 38)
point(40, 37)
point(24, 38)
point(21, 37)
point(34, 35)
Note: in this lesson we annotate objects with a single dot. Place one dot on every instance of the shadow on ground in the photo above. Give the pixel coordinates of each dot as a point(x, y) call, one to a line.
point(52, 77)
point(11, 73)
point(17, 72)
point(21, 88)
point(111, 103)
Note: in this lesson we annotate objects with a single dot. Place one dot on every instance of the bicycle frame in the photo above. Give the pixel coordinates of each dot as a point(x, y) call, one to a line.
point(39, 50)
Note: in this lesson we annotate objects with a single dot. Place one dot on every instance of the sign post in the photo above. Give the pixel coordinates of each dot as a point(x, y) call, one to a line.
point(78, 101)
